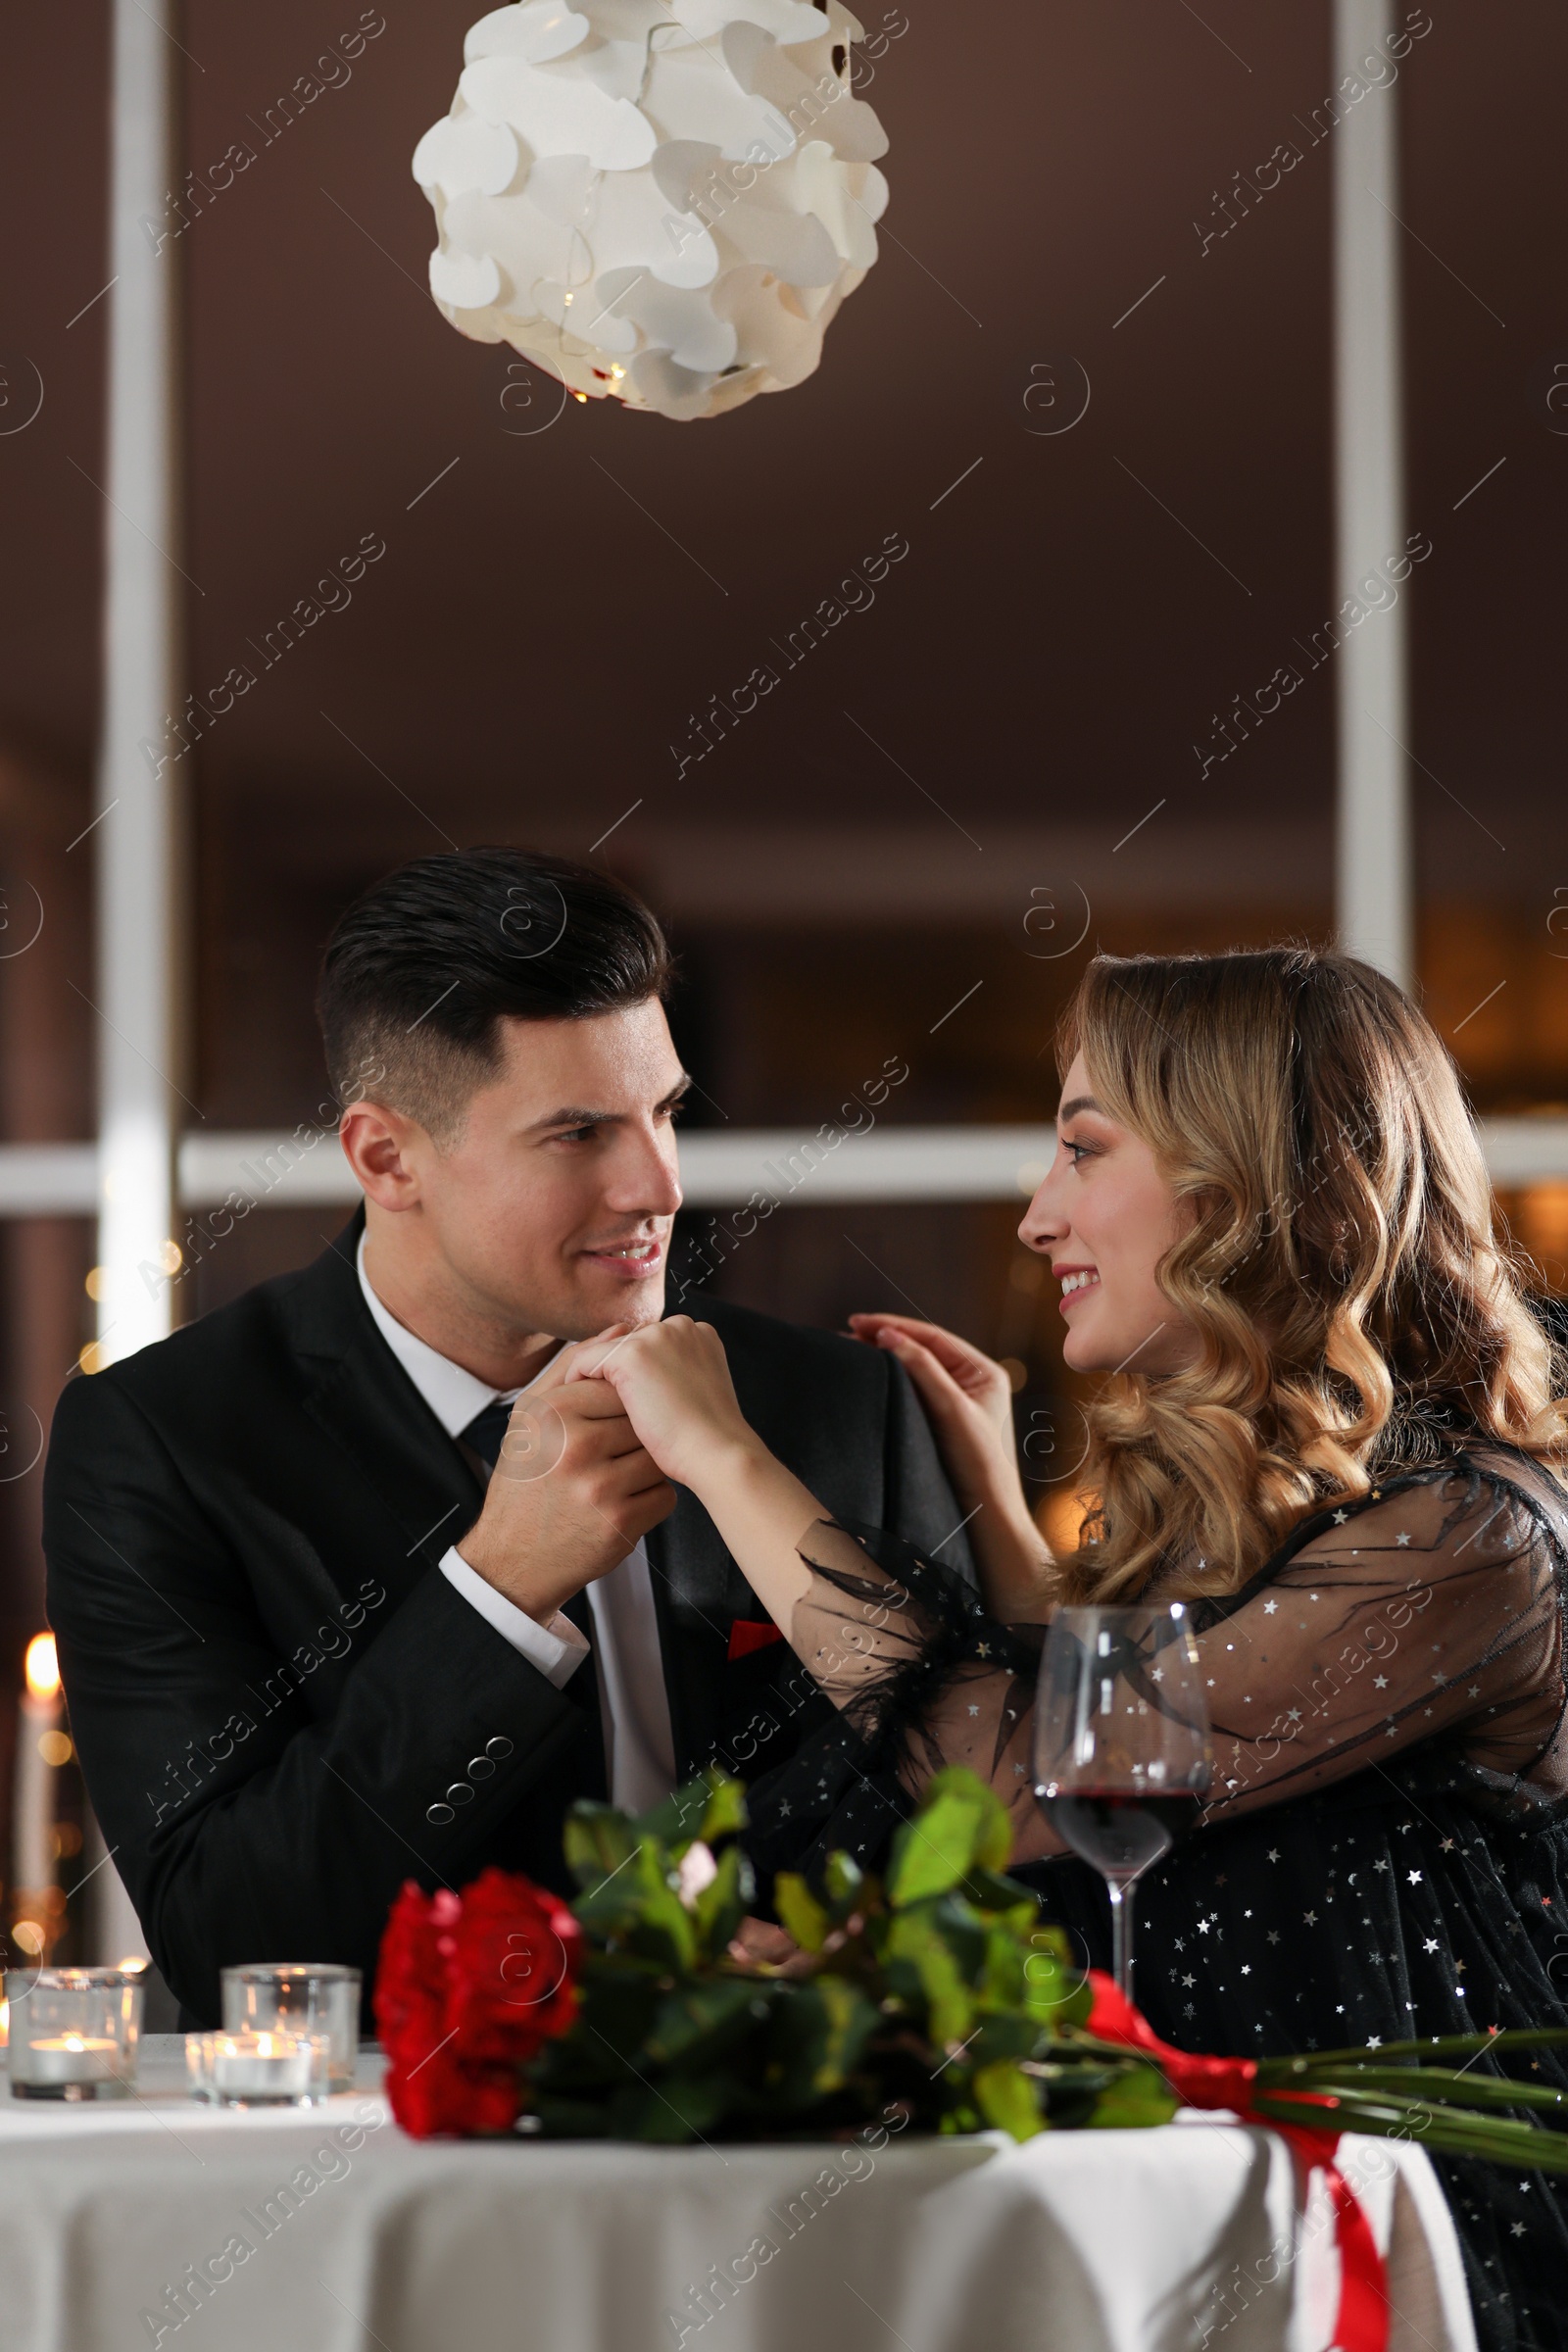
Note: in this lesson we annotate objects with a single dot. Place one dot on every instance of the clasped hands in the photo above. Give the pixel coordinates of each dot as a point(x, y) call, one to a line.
point(587, 1465)
point(599, 1444)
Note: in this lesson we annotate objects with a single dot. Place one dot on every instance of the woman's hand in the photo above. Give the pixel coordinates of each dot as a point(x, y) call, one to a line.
point(757, 1942)
point(967, 1395)
point(673, 1380)
point(968, 1398)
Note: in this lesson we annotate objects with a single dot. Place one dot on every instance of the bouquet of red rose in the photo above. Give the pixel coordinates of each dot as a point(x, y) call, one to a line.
point(935, 1992)
point(471, 1987)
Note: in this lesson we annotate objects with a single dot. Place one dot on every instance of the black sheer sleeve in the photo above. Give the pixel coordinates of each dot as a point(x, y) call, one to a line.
point(1431, 1611)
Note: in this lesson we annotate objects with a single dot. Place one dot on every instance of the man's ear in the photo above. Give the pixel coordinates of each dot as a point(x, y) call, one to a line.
point(382, 1147)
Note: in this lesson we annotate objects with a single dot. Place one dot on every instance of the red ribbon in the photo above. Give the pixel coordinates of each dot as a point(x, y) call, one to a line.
point(1362, 2321)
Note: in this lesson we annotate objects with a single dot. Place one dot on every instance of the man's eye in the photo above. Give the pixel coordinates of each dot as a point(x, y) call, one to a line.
point(576, 1135)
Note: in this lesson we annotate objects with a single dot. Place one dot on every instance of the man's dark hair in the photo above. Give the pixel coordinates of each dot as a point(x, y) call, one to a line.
point(422, 969)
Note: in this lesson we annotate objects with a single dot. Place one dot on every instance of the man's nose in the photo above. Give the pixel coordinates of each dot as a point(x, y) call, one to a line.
point(647, 1183)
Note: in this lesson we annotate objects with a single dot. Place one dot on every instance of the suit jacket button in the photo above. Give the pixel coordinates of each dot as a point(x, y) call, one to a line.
point(479, 1768)
point(439, 1814)
point(498, 1747)
point(459, 1794)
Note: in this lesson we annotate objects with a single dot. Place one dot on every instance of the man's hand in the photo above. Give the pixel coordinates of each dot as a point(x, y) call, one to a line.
point(572, 1491)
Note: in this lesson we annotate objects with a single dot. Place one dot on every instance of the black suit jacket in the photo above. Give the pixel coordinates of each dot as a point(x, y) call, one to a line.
point(272, 1684)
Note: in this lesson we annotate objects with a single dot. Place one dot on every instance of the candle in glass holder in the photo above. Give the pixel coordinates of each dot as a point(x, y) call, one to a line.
point(298, 1997)
point(73, 2032)
point(252, 2070)
point(73, 2058)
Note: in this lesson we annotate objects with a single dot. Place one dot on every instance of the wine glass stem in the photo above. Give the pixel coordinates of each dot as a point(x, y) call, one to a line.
point(1121, 1936)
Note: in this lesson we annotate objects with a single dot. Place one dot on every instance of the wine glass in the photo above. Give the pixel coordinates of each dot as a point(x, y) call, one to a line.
point(1122, 1760)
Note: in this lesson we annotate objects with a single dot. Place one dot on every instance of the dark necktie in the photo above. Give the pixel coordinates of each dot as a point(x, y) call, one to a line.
point(486, 1430)
point(483, 1436)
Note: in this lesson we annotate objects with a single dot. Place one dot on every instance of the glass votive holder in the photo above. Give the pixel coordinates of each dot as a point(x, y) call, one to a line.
point(258, 2070)
point(304, 1996)
point(73, 2032)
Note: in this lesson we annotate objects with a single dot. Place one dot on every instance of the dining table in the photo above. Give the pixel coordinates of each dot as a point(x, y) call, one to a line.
point(157, 2220)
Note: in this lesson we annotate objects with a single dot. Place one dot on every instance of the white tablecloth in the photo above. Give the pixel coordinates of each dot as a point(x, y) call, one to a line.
point(328, 2231)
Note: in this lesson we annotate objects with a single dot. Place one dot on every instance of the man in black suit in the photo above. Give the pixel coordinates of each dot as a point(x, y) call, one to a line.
point(350, 1584)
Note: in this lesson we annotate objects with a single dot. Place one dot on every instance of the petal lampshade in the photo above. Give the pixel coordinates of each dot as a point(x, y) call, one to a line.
point(663, 211)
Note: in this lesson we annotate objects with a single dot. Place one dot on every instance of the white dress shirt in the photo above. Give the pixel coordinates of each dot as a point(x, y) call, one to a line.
point(633, 1705)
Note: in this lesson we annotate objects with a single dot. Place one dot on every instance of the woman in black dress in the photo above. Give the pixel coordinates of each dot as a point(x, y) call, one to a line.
point(1329, 1426)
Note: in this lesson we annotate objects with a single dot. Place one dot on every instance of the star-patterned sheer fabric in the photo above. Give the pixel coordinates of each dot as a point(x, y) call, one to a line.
point(1429, 1611)
point(1384, 1854)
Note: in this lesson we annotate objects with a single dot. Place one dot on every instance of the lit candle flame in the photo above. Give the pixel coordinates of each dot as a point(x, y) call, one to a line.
point(42, 1666)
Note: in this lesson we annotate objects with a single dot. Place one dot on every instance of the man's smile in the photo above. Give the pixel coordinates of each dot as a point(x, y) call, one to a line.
point(627, 1261)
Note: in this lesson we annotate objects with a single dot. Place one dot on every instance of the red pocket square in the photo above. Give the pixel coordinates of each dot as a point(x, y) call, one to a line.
point(747, 1635)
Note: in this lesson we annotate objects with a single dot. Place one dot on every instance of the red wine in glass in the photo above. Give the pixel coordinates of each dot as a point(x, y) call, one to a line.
point(1122, 1759)
point(1122, 1835)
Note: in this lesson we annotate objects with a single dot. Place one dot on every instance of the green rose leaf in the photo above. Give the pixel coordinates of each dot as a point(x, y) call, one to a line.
point(843, 1884)
point(703, 2021)
point(1004, 1899)
point(962, 1824)
point(1054, 1992)
point(820, 2029)
point(1005, 2037)
point(1007, 2100)
point(597, 1841)
point(950, 2008)
point(682, 1818)
point(642, 1909)
point(723, 1901)
point(799, 1913)
point(725, 1813)
point(619, 1998)
point(1003, 1981)
point(1134, 2099)
point(963, 1929)
point(678, 2109)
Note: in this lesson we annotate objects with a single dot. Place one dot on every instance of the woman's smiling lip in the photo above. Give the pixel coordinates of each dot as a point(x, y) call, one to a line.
point(1065, 1274)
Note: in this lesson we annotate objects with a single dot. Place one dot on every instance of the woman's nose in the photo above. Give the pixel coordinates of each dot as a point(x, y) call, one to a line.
point(1042, 1220)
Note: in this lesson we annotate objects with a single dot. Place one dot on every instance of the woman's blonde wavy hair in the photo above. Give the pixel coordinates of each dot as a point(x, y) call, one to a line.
point(1355, 1316)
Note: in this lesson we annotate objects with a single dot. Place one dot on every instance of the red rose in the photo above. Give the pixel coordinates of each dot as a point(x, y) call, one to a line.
point(469, 1988)
point(518, 1951)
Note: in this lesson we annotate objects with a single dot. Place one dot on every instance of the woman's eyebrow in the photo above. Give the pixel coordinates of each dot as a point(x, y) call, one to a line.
point(1070, 1110)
